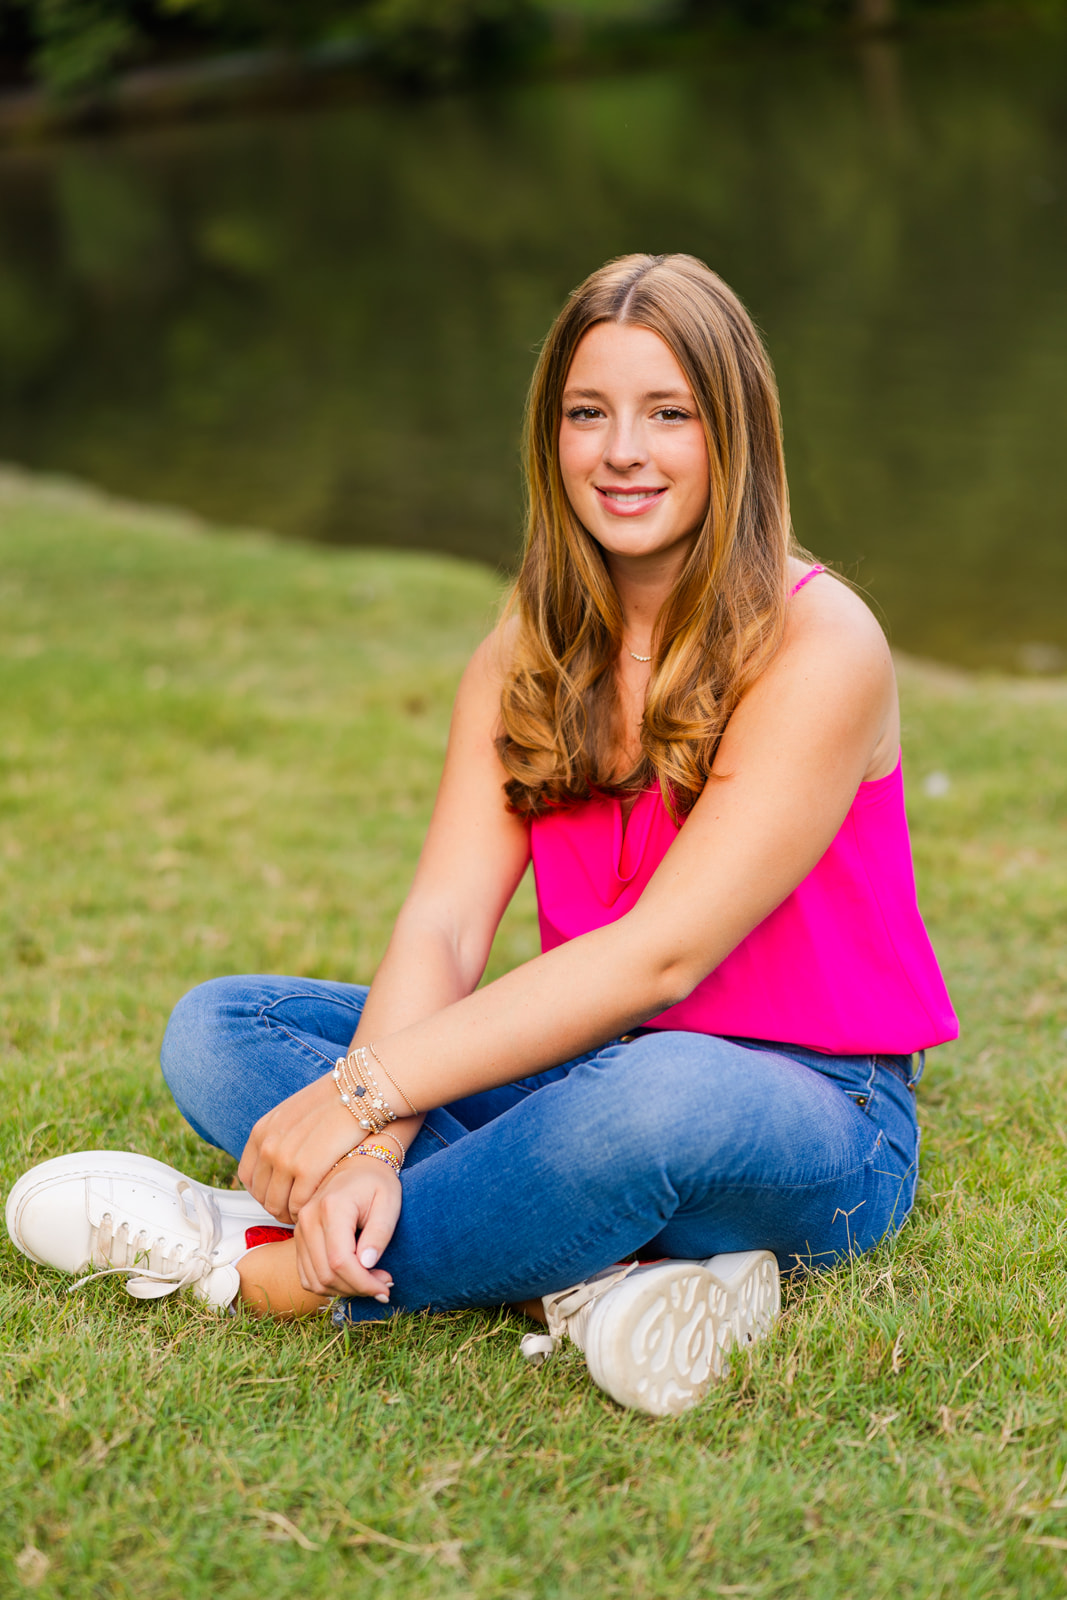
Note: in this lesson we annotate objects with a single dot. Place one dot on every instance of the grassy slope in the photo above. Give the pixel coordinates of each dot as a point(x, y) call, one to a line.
point(219, 755)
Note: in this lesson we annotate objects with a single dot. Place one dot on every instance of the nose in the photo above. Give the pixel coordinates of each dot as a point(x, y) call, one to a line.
point(625, 448)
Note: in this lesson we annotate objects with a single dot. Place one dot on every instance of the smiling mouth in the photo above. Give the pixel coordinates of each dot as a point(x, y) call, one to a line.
point(631, 497)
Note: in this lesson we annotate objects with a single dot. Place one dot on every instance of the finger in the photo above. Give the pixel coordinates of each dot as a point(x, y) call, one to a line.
point(311, 1262)
point(276, 1200)
point(277, 1192)
point(376, 1285)
point(273, 1196)
point(255, 1175)
point(250, 1155)
point(379, 1225)
point(269, 1184)
point(325, 1252)
point(246, 1168)
point(306, 1181)
point(307, 1266)
point(345, 1275)
point(345, 1272)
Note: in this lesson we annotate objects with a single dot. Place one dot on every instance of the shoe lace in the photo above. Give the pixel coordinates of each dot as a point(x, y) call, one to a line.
point(152, 1270)
point(566, 1303)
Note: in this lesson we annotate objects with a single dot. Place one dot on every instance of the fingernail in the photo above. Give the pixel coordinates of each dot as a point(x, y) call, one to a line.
point(368, 1257)
point(383, 1299)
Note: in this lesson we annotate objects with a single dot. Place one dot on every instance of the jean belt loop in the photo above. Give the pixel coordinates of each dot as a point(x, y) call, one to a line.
point(918, 1067)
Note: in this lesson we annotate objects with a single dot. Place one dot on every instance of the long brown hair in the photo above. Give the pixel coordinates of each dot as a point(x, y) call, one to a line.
point(724, 619)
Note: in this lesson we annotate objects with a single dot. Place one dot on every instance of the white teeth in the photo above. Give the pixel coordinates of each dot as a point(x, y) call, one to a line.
point(631, 499)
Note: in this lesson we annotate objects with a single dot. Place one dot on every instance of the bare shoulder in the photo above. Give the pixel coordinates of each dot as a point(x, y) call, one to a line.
point(832, 677)
point(829, 619)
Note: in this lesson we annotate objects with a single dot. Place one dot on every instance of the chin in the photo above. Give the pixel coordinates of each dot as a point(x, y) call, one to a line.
point(624, 542)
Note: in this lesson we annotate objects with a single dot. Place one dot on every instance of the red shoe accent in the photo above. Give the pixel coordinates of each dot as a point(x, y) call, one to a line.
point(266, 1235)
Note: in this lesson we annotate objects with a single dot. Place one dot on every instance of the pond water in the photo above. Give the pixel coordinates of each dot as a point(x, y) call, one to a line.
point(324, 322)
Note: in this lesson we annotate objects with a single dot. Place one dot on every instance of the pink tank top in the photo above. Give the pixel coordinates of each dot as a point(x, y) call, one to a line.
point(844, 965)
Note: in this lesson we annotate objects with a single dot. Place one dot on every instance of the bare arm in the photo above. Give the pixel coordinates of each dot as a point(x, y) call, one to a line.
point(474, 856)
point(819, 721)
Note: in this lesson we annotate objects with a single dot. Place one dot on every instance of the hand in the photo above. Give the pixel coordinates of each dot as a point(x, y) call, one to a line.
point(362, 1197)
point(292, 1148)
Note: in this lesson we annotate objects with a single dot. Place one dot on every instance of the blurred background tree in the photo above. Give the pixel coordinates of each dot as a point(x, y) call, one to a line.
point(72, 48)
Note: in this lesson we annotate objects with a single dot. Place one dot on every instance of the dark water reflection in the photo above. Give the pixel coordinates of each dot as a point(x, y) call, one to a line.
point(324, 323)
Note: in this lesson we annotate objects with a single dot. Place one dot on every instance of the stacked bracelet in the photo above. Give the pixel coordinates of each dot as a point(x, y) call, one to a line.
point(360, 1091)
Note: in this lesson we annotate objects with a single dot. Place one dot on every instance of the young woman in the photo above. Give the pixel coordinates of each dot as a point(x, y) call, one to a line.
point(693, 732)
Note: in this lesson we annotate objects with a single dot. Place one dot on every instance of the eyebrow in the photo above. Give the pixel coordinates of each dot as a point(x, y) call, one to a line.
point(653, 394)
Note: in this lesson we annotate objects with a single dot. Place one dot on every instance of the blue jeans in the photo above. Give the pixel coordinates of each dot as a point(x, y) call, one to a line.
point(687, 1142)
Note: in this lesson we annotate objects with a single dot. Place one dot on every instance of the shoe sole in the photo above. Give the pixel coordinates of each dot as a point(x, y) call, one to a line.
point(659, 1339)
point(238, 1203)
point(753, 1284)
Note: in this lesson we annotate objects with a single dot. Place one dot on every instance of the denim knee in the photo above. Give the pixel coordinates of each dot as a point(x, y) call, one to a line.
point(184, 1055)
point(697, 1104)
point(644, 1112)
point(663, 1089)
point(187, 1040)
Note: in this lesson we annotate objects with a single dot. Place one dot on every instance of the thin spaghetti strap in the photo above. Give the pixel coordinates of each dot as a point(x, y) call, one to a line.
point(812, 572)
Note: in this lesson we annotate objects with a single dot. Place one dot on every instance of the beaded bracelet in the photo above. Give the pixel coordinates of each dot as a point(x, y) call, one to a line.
point(377, 1152)
point(382, 1154)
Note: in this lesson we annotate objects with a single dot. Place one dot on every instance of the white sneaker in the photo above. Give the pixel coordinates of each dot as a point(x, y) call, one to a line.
point(115, 1211)
point(655, 1337)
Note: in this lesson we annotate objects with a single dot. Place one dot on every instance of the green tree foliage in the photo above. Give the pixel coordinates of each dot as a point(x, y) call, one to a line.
point(73, 47)
point(80, 42)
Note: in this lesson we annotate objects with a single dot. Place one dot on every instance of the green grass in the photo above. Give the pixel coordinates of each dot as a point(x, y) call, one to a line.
point(218, 754)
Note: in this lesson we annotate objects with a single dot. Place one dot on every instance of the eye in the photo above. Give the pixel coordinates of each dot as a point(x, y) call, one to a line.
point(584, 414)
point(672, 414)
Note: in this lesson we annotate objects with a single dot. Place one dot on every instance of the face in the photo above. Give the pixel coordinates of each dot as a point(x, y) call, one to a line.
point(631, 446)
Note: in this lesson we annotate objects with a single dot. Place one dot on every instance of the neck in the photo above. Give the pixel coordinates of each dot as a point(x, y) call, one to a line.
point(642, 594)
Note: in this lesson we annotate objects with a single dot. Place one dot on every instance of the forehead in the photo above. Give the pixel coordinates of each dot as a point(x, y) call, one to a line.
point(622, 356)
